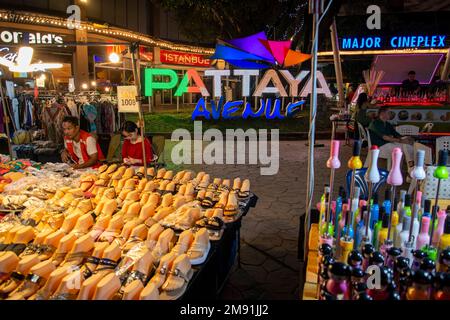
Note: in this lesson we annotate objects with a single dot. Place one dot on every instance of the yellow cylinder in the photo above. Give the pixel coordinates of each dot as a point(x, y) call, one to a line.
point(346, 248)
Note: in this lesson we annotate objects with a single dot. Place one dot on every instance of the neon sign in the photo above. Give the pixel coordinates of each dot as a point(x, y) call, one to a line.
point(11, 56)
point(230, 108)
point(17, 37)
point(170, 81)
point(395, 42)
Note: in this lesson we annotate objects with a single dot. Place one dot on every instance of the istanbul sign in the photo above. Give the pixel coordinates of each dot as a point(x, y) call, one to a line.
point(182, 58)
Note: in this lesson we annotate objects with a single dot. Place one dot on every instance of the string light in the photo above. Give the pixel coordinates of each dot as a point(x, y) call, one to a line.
point(146, 39)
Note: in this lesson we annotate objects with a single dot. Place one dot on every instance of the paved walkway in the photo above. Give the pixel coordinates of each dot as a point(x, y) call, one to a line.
point(269, 234)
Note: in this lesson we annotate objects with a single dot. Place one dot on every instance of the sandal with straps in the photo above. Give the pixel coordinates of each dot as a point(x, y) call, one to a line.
point(30, 249)
point(17, 248)
point(214, 223)
point(76, 256)
point(130, 243)
point(64, 296)
point(59, 257)
point(107, 263)
point(175, 293)
point(208, 202)
point(45, 249)
point(31, 281)
point(132, 276)
point(87, 271)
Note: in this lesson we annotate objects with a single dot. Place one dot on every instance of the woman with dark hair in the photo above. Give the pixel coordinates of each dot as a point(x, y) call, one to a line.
point(361, 110)
point(132, 147)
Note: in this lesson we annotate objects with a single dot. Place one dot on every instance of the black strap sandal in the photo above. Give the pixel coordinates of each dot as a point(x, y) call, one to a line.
point(108, 265)
point(45, 249)
point(93, 215)
point(76, 256)
point(34, 278)
point(212, 187)
point(3, 246)
point(30, 249)
point(214, 223)
point(90, 260)
point(224, 188)
point(136, 275)
point(202, 223)
point(208, 202)
point(17, 276)
point(17, 248)
point(30, 222)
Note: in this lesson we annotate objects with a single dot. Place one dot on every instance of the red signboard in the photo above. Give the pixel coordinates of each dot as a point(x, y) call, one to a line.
point(185, 59)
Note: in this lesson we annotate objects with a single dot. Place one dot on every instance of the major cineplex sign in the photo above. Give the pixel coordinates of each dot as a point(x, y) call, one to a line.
point(17, 37)
point(393, 42)
point(273, 84)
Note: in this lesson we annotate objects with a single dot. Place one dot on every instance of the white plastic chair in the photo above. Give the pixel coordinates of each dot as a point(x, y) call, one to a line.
point(362, 132)
point(442, 143)
point(429, 187)
point(408, 130)
point(427, 127)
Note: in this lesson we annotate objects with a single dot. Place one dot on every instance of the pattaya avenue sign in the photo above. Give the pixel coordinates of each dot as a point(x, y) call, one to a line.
point(270, 83)
point(263, 87)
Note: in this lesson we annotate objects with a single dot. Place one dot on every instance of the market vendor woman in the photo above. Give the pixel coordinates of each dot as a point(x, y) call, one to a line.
point(132, 146)
point(81, 149)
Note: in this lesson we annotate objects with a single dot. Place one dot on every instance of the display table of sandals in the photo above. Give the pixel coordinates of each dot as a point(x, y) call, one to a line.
point(118, 233)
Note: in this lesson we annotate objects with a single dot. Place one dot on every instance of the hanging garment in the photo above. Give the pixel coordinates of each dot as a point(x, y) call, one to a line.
point(90, 113)
point(52, 118)
point(73, 109)
point(84, 122)
point(108, 119)
point(28, 118)
point(2, 119)
point(99, 118)
point(16, 113)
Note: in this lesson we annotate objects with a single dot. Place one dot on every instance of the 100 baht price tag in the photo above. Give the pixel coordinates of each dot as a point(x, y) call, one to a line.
point(126, 96)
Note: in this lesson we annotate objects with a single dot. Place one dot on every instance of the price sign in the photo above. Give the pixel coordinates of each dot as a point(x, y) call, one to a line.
point(126, 96)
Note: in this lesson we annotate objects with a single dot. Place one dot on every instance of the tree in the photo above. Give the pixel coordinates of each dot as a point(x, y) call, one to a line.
point(203, 21)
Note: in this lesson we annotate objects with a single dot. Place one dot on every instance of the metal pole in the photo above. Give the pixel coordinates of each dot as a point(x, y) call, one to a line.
point(435, 211)
point(312, 117)
point(446, 69)
point(95, 71)
point(137, 81)
point(6, 120)
point(337, 63)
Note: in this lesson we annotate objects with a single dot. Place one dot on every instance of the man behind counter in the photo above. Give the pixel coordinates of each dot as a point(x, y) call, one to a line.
point(410, 84)
point(80, 147)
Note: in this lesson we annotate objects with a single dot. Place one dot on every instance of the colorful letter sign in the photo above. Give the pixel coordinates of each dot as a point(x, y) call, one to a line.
point(395, 42)
point(185, 59)
point(270, 82)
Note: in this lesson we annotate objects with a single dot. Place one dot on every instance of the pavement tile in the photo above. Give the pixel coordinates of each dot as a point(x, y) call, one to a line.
point(273, 225)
